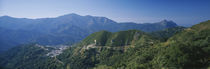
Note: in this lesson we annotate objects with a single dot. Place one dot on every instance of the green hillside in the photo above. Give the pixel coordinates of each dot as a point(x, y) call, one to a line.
point(122, 38)
point(132, 49)
point(189, 48)
point(186, 49)
point(29, 56)
point(163, 35)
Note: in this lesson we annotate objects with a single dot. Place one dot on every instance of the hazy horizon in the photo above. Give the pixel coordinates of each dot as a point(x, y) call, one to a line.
point(84, 15)
point(183, 12)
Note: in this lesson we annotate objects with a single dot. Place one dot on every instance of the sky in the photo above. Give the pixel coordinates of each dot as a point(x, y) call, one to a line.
point(183, 12)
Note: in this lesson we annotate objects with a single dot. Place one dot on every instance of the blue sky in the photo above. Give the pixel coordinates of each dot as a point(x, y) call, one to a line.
point(183, 12)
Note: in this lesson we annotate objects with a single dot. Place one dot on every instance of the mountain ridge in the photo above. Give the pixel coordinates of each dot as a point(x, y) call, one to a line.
point(55, 31)
point(76, 15)
point(186, 48)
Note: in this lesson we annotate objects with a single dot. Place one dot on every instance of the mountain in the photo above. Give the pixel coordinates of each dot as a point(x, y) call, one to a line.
point(35, 56)
point(66, 29)
point(131, 49)
point(149, 27)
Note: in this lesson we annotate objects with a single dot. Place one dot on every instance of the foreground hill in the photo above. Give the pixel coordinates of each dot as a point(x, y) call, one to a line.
point(186, 49)
point(131, 49)
point(66, 29)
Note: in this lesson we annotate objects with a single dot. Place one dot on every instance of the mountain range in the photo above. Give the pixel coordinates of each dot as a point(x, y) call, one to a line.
point(173, 48)
point(66, 29)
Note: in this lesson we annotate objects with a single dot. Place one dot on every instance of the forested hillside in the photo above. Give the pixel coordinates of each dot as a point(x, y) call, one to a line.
point(180, 48)
point(29, 56)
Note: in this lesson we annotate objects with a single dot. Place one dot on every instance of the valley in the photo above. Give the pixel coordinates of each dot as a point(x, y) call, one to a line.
point(104, 34)
point(131, 49)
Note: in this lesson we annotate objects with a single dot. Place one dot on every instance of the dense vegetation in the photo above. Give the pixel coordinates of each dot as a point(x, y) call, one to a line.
point(181, 49)
point(28, 56)
point(122, 38)
point(163, 35)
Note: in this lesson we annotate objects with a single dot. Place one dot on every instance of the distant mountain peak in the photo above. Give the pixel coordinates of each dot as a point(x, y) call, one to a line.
point(168, 23)
point(70, 15)
point(5, 16)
